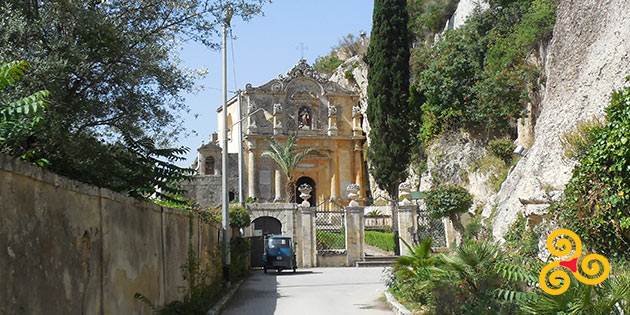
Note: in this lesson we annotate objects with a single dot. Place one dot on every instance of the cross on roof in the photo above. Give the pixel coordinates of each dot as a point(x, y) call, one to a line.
point(301, 48)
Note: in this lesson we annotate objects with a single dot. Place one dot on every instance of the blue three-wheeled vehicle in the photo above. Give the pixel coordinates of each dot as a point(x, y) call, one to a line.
point(279, 253)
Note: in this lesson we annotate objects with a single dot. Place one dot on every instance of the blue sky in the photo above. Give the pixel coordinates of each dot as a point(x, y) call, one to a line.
point(265, 47)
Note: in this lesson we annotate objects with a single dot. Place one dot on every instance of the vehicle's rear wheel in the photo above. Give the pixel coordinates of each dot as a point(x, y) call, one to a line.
point(279, 270)
point(265, 269)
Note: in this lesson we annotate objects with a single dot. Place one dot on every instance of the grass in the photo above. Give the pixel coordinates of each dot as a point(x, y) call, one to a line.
point(382, 240)
point(331, 240)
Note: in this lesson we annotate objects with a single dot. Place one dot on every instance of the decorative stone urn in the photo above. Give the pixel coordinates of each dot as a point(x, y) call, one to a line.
point(405, 192)
point(305, 193)
point(353, 194)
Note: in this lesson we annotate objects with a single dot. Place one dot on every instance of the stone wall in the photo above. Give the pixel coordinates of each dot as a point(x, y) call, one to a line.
point(70, 248)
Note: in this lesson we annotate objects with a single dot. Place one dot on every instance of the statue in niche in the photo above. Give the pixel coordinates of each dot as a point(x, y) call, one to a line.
point(304, 118)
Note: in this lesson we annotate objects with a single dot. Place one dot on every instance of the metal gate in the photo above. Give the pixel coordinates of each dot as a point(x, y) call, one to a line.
point(430, 227)
point(330, 230)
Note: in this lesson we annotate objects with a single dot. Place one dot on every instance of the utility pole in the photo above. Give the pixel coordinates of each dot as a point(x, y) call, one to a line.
point(241, 197)
point(225, 222)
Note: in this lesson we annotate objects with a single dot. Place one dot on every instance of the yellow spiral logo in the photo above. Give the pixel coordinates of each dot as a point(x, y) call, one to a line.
point(595, 268)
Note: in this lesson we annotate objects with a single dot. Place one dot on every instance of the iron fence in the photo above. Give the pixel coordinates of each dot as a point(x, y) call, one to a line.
point(430, 227)
point(330, 230)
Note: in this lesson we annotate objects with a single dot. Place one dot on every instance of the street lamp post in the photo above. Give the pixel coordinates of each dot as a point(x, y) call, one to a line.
point(225, 222)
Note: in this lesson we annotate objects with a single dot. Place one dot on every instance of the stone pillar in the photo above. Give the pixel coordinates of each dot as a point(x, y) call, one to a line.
point(334, 178)
point(407, 225)
point(278, 184)
point(358, 166)
point(354, 235)
point(307, 246)
point(251, 169)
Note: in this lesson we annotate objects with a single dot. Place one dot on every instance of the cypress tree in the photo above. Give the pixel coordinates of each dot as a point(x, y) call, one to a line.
point(388, 93)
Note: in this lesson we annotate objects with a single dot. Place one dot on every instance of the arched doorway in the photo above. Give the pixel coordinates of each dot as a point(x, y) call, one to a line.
point(263, 226)
point(309, 181)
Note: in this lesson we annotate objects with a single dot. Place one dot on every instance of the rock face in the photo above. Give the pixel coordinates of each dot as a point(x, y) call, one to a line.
point(587, 58)
point(464, 9)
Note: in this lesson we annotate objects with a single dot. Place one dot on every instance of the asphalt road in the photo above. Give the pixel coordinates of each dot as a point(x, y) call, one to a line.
point(330, 291)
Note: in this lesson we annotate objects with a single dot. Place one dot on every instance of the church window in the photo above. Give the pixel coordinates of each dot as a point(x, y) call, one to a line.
point(209, 165)
point(304, 118)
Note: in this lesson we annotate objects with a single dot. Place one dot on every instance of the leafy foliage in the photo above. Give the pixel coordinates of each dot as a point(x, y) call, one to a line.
point(428, 17)
point(596, 201)
point(115, 84)
point(23, 116)
point(239, 216)
point(503, 149)
point(384, 241)
point(476, 76)
point(447, 200)
point(287, 157)
point(577, 142)
point(327, 64)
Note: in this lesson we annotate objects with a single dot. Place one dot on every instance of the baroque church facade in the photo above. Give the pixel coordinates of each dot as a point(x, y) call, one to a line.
point(322, 114)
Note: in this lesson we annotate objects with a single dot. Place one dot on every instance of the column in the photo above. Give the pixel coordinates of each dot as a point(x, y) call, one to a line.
point(354, 239)
point(334, 178)
point(251, 169)
point(308, 247)
point(358, 167)
point(407, 225)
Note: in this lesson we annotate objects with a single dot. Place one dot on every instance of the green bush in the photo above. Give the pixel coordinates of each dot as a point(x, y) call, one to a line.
point(503, 149)
point(477, 76)
point(239, 255)
point(596, 201)
point(577, 141)
point(327, 64)
point(239, 216)
point(447, 200)
point(384, 241)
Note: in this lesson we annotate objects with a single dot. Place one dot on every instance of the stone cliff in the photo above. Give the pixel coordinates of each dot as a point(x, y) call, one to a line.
point(587, 58)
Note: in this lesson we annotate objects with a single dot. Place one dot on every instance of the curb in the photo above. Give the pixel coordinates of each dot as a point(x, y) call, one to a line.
point(216, 310)
point(396, 307)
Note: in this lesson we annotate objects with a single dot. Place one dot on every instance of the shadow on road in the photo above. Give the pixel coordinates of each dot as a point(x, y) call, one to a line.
point(261, 293)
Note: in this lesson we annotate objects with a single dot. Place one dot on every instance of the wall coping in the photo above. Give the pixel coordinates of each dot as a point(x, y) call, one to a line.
point(22, 168)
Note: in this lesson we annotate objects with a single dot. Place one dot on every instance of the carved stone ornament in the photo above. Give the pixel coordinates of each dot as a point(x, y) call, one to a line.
point(353, 194)
point(405, 192)
point(277, 108)
point(332, 110)
point(305, 193)
point(303, 69)
point(356, 110)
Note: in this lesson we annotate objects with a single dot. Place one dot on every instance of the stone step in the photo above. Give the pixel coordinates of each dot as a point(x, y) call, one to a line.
point(377, 261)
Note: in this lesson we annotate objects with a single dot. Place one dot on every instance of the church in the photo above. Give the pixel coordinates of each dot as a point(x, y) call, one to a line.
point(321, 113)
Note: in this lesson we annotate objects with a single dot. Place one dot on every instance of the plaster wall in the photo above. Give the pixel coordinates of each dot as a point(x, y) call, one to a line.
point(70, 248)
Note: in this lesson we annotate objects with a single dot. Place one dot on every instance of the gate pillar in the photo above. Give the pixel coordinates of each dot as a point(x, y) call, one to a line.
point(307, 245)
point(408, 226)
point(355, 237)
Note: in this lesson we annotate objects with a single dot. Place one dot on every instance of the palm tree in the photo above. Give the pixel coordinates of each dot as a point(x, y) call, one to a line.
point(287, 157)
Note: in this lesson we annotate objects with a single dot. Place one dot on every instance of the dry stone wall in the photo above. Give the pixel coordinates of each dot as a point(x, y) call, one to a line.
point(70, 248)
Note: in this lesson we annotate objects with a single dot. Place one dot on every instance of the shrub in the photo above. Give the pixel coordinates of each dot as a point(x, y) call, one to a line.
point(384, 241)
point(239, 254)
point(447, 200)
point(596, 201)
point(577, 141)
point(327, 64)
point(239, 216)
point(503, 149)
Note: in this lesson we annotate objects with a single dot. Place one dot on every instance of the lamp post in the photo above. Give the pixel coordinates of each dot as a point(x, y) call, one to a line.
point(225, 222)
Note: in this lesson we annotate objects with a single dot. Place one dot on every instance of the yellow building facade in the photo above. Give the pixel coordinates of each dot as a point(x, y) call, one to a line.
point(322, 114)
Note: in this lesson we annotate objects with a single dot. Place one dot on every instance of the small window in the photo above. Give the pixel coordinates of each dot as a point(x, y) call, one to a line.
point(209, 166)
